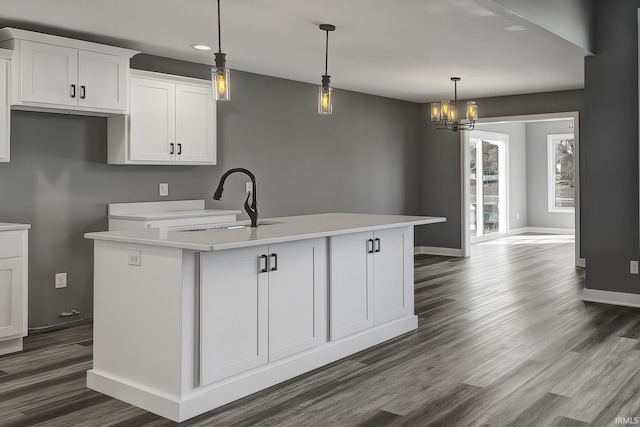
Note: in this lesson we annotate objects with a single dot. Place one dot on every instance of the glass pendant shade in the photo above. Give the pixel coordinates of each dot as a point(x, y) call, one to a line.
point(452, 117)
point(325, 100)
point(444, 109)
point(435, 111)
point(472, 111)
point(220, 77)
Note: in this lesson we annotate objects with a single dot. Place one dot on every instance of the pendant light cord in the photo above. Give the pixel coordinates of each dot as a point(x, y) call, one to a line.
point(219, 36)
point(326, 55)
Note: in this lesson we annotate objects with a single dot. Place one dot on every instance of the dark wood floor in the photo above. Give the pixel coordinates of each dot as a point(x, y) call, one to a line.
point(503, 340)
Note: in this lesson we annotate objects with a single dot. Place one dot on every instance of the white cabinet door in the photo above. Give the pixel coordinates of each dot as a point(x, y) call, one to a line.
point(152, 124)
point(49, 74)
point(296, 296)
point(351, 296)
point(4, 110)
point(392, 274)
point(195, 124)
point(260, 304)
point(233, 313)
point(11, 297)
point(371, 279)
point(102, 80)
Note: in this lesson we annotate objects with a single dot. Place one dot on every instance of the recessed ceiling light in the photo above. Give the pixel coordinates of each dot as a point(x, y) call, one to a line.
point(201, 47)
point(516, 28)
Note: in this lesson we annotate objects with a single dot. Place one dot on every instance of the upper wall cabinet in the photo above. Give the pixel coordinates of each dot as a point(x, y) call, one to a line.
point(51, 73)
point(5, 112)
point(172, 121)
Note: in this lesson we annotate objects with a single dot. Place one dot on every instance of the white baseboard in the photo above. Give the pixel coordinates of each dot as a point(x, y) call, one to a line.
point(609, 297)
point(434, 250)
point(542, 230)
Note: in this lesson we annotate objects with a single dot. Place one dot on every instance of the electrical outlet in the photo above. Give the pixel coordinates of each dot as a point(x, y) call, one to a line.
point(248, 187)
point(135, 258)
point(61, 280)
point(633, 267)
point(163, 189)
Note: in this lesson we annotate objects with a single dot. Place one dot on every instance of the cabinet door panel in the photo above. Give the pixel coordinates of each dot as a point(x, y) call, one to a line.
point(11, 297)
point(296, 297)
point(152, 120)
point(351, 291)
point(391, 299)
point(233, 313)
point(102, 80)
point(48, 72)
point(195, 124)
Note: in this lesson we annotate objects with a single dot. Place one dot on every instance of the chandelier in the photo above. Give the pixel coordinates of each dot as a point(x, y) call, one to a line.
point(444, 114)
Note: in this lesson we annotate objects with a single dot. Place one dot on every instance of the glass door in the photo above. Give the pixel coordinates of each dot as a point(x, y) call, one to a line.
point(487, 184)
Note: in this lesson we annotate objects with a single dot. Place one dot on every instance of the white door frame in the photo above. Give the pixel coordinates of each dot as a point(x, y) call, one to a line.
point(464, 175)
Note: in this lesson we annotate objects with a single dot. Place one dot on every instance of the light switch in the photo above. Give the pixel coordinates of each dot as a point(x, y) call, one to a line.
point(163, 189)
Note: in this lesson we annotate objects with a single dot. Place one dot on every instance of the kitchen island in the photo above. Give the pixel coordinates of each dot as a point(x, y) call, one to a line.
point(188, 320)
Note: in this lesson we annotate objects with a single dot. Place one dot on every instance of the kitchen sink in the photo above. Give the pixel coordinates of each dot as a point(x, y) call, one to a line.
point(232, 226)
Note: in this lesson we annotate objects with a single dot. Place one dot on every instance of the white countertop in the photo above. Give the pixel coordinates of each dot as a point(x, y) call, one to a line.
point(9, 226)
point(291, 228)
point(150, 216)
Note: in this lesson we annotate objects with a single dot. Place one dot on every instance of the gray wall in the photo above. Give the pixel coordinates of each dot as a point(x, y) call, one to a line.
point(537, 176)
point(361, 159)
point(440, 159)
point(517, 150)
point(609, 143)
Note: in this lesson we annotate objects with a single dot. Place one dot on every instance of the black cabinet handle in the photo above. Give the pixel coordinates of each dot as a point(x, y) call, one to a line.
point(179, 148)
point(171, 148)
point(275, 262)
point(266, 261)
point(370, 246)
point(73, 91)
point(377, 245)
point(83, 92)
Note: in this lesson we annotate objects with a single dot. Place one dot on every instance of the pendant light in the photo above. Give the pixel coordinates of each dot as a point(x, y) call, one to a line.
point(325, 93)
point(220, 73)
point(444, 114)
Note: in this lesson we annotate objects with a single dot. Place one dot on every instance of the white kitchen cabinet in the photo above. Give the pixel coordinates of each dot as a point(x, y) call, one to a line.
point(371, 279)
point(5, 111)
point(172, 121)
point(13, 287)
point(51, 73)
point(260, 304)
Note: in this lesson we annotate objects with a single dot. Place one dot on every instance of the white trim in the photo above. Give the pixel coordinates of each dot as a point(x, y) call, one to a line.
point(541, 230)
point(610, 297)
point(434, 250)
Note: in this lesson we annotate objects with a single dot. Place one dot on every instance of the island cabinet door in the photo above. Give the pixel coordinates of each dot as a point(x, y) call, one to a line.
point(392, 274)
point(351, 284)
point(296, 296)
point(11, 297)
point(233, 312)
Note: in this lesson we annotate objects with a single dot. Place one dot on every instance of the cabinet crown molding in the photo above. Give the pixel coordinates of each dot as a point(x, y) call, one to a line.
point(8, 34)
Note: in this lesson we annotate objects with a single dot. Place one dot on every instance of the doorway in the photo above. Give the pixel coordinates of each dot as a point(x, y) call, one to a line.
point(512, 220)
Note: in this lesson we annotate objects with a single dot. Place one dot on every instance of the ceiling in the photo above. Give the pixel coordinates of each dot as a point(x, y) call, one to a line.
point(403, 49)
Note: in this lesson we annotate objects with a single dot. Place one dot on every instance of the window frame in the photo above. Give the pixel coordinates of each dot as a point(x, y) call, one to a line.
point(552, 140)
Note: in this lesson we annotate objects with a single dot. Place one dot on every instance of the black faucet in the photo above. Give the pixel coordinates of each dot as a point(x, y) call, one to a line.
point(252, 210)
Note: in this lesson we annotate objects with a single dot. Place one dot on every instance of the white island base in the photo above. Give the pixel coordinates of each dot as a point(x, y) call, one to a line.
point(185, 322)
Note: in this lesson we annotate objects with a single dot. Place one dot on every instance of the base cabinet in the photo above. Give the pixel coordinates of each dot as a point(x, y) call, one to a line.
point(371, 279)
point(13, 290)
point(260, 304)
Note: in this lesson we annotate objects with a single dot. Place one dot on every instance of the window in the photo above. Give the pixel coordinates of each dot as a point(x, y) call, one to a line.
point(561, 182)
